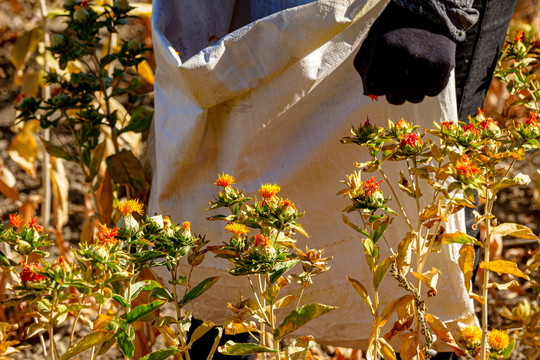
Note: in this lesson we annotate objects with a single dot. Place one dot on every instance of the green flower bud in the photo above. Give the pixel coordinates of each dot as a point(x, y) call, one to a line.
point(134, 45)
point(58, 40)
point(122, 5)
point(128, 223)
point(81, 16)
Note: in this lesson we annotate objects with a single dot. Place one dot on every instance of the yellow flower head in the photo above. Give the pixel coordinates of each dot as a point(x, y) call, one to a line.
point(268, 191)
point(237, 229)
point(471, 335)
point(498, 340)
point(225, 180)
point(130, 206)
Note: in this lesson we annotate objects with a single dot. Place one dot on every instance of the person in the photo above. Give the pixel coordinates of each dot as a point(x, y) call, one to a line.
point(268, 103)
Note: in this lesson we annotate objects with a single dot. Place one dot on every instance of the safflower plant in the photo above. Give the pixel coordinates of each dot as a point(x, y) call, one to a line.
point(265, 258)
point(100, 289)
point(469, 157)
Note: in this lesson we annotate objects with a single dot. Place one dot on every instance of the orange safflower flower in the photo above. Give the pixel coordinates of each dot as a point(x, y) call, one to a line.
point(465, 170)
point(498, 340)
point(130, 206)
point(62, 263)
point(268, 191)
point(225, 180)
point(236, 229)
point(519, 36)
point(106, 235)
point(370, 186)
point(33, 224)
point(532, 120)
point(28, 273)
point(402, 124)
point(15, 220)
point(186, 225)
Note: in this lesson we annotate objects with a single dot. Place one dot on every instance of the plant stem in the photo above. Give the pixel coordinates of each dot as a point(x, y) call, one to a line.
point(42, 341)
point(46, 170)
point(485, 279)
point(72, 333)
point(397, 199)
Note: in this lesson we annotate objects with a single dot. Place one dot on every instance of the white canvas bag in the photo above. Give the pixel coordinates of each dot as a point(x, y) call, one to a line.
point(269, 103)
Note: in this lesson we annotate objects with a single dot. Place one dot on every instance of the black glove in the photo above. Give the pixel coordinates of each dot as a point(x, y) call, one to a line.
point(405, 57)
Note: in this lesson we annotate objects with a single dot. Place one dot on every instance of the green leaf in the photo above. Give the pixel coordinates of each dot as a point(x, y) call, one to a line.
point(141, 119)
point(518, 180)
point(57, 151)
point(299, 317)
point(125, 169)
point(515, 230)
point(459, 238)
point(381, 271)
point(161, 293)
point(162, 354)
point(381, 229)
point(361, 289)
point(143, 310)
point(280, 269)
point(353, 226)
point(5, 261)
point(125, 342)
point(198, 290)
point(88, 341)
point(509, 349)
point(120, 299)
point(232, 348)
point(135, 289)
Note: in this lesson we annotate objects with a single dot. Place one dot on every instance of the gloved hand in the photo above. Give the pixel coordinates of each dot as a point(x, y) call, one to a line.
point(405, 57)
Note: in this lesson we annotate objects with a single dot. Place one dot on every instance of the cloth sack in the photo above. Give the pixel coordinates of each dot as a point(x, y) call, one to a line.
point(269, 103)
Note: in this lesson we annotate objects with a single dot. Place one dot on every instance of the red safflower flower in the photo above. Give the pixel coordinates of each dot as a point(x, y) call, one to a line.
point(15, 220)
point(370, 186)
point(19, 98)
point(106, 235)
point(486, 123)
point(373, 97)
point(33, 224)
point(287, 203)
point(262, 240)
point(28, 273)
point(411, 139)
